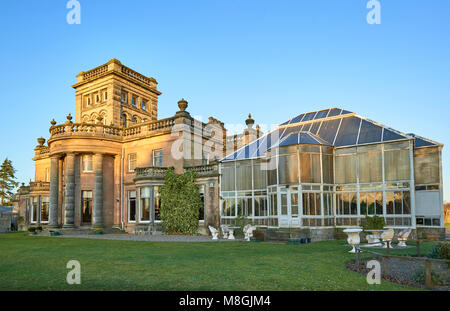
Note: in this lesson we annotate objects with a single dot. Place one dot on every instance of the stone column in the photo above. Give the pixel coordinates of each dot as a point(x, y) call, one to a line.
point(98, 191)
point(54, 189)
point(69, 206)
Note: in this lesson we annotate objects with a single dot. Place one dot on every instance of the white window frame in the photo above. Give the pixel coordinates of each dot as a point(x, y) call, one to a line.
point(159, 157)
point(129, 162)
point(83, 157)
point(136, 206)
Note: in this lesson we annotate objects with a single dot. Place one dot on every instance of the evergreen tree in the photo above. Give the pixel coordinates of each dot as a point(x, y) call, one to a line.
point(7, 181)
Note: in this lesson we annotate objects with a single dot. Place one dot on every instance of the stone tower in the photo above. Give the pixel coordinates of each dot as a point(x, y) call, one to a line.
point(114, 94)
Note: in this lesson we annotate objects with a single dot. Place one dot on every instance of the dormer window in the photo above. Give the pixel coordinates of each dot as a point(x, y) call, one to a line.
point(143, 105)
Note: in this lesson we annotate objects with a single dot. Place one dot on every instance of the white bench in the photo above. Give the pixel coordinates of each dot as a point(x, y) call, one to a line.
point(248, 231)
point(225, 231)
point(403, 237)
point(214, 232)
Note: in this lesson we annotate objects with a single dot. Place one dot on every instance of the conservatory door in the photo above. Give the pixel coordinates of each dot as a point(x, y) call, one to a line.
point(288, 208)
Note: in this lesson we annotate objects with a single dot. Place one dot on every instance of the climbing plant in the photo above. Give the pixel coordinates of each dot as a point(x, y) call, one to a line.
point(180, 203)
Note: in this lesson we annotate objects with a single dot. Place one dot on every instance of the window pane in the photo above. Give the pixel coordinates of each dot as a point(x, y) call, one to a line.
point(288, 169)
point(426, 166)
point(406, 203)
point(259, 176)
point(345, 169)
point(389, 203)
point(243, 175)
point(397, 165)
point(397, 203)
point(370, 166)
point(228, 176)
point(145, 206)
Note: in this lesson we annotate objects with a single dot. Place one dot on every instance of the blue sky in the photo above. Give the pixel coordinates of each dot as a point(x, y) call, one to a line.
point(275, 59)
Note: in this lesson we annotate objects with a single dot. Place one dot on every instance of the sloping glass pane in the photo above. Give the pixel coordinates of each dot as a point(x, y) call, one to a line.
point(290, 140)
point(321, 114)
point(348, 132)
point(421, 143)
point(369, 133)
point(297, 118)
point(345, 112)
point(309, 116)
point(307, 139)
point(334, 112)
point(390, 135)
point(328, 130)
point(315, 127)
point(306, 127)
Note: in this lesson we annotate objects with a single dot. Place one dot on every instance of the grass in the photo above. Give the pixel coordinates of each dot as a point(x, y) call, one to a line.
point(39, 263)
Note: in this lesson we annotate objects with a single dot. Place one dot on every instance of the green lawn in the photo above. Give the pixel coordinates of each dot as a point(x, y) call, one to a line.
point(39, 263)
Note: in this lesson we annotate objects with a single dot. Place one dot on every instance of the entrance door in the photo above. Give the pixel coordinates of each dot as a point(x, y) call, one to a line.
point(86, 207)
point(288, 208)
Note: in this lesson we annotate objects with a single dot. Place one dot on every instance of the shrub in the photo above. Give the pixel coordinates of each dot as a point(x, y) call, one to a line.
point(440, 251)
point(180, 203)
point(31, 229)
point(373, 222)
point(436, 278)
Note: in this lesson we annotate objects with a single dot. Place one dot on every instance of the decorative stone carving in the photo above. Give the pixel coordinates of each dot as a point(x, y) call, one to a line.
point(182, 104)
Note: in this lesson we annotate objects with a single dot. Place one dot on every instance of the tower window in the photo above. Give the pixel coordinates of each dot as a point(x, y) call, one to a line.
point(105, 95)
point(143, 105)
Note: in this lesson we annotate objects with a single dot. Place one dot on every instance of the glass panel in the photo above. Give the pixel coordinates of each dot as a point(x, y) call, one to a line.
point(345, 169)
point(389, 203)
point(309, 116)
point(348, 132)
point(229, 207)
point(371, 203)
point(353, 204)
point(288, 169)
point(397, 203)
point(327, 168)
point(363, 203)
point(315, 127)
point(369, 133)
point(294, 204)
point(328, 130)
point(305, 201)
point(379, 203)
point(283, 204)
point(321, 114)
point(334, 112)
point(426, 166)
point(228, 176)
point(370, 166)
point(406, 203)
point(145, 209)
point(396, 164)
point(243, 175)
point(318, 204)
point(390, 135)
point(259, 176)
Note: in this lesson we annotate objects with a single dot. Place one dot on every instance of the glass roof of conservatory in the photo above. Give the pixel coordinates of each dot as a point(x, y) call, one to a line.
point(332, 127)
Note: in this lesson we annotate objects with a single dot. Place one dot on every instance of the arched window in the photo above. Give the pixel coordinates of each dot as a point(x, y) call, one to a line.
point(134, 120)
point(123, 120)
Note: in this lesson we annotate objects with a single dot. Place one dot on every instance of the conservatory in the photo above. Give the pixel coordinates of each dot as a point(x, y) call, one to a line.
point(331, 168)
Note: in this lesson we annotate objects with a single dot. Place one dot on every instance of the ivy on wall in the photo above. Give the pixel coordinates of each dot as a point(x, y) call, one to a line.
point(180, 203)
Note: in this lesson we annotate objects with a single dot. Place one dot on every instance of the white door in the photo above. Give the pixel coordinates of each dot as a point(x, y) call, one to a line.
point(288, 208)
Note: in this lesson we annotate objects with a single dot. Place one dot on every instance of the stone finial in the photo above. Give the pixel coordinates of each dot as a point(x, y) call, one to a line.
point(53, 122)
point(182, 104)
point(69, 118)
point(41, 141)
point(258, 128)
point(250, 121)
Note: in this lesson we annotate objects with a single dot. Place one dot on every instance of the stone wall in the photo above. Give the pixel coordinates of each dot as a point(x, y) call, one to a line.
point(282, 234)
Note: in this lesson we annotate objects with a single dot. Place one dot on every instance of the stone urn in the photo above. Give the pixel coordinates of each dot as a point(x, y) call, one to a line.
point(353, 238)
point(182, 104)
